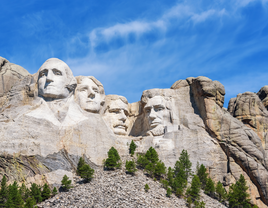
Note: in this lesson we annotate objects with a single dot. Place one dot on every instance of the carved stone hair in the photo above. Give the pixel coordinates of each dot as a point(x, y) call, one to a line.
point(148, 94)
point(110, 98)
point(79, 80)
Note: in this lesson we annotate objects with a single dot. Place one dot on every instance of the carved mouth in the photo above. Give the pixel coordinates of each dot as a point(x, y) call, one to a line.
point(155, 123)
point(121, 126)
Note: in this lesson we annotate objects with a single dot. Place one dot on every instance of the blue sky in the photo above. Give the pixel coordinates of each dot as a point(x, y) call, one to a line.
point(131, 46)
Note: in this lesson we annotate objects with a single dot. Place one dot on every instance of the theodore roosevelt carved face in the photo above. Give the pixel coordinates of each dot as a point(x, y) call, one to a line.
point(115, 114)
point(55, 80)
point(89, 93)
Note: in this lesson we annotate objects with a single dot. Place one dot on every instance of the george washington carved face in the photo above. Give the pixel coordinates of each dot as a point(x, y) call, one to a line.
point(55, 79)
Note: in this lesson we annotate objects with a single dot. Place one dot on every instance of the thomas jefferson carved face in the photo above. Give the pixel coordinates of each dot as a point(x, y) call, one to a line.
point(53, 79)
point(115, 115)
point(156, 114)
point(89, 95)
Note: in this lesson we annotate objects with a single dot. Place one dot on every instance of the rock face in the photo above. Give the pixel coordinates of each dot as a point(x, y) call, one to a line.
point(51, 118)
point(10, 75)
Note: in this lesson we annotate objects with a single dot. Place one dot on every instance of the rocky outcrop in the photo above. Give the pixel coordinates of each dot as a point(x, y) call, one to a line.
point(118, 189)
point(10, 75)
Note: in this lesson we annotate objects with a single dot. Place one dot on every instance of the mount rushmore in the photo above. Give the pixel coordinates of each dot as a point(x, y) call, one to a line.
point(50, 119)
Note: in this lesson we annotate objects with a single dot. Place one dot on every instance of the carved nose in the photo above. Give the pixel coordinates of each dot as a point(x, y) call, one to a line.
point(123, 116)
point(49, 77)
point(91, 93)
point(152, 115)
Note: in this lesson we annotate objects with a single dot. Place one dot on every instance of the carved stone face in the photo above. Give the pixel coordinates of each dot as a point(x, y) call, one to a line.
point(52, 80)
point(116, 116)
point(88, 95)
point(156, 113)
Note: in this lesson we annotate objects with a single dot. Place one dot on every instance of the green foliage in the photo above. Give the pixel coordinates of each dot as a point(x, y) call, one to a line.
point(152, 155)
point(210, 187)
point(66, 183)
point(194, 190)
point(183, 164)
point(142, 161)
point(3, 192)
point(45, 192)
point(150, 169)
point(132, 148)
point(201, 173)
point(30, 202)
point(170, 176)
point(86, 172)
point(35, 192)
point(160, 169)
point(113, 160)
point(189, 201)
point(146, 187)
point(54, 191)
point(238, 195)
point(169, 192)
point(255, 206)
point(221, 192)
point(131, 167)
point(164, 183)
point(198, 204)
point(14, 197)
point(80, 165)
point(24, 192)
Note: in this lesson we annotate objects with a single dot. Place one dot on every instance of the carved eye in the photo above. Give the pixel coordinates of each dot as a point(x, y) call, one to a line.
point(57, 72)
point(43, 73)
point(148, 110)
point(96, 90)
point(115, 111)
point(158, 109)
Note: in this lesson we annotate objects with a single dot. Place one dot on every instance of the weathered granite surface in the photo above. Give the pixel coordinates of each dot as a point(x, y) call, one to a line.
point(50, 119)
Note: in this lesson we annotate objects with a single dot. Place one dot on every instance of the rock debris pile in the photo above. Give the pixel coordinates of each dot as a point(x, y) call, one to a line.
point(118, 189)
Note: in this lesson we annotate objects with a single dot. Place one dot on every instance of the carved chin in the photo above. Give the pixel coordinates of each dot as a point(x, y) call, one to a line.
point(158, 130)
point(119, 131)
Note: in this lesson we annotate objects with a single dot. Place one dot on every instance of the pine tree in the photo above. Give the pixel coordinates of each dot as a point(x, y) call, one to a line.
point(150, 169)
point(238, 195)
point(80, 165)
point(170, 176)
point(198, 204)
point(169, 192)
point(189, 201)
point(160, 169)
point(54, 191)
point(30, 202)
point(183, 164)
point(210, 187)
point(113, 160)
point(142, 161)
point(35, 192)
point(86, 172)
point(66, 183)
point(164, 183)
point(194, 190)
point(201, 173)
point(132, 148)
point(152, 155)
point(14, 197)
point(45, 192)
point(23, 192)
point(221, 192)
point(131, 167)
point(3, 192)
point(146, 187)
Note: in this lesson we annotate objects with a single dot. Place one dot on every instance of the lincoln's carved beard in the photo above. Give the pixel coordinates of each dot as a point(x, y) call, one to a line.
point(158, 130)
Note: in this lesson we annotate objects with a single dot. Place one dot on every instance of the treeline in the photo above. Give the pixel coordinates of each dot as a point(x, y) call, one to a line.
point(175, 180)
point(15, 196)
